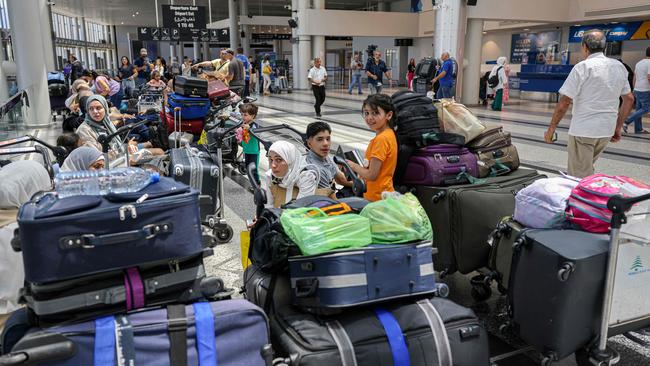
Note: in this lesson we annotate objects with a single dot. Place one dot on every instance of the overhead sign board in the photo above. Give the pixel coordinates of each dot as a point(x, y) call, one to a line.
point(184, 16)
point(614, 32)
point(186, 35)
point(271, 36)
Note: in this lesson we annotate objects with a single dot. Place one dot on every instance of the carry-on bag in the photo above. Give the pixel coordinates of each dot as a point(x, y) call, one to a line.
point(348, 278)
point(495, 152)
point(463, 216)
point(217, 89)
point(232, 332)
point(195, 168)
point(75, 236)
point(440, 165)
point(505, 236)
point(193, 126)
point(458, 119)
point(190, 86)
point(543, 204)
point(427, 332)
point(270, 291)
point(191, 107)
point(178, 138)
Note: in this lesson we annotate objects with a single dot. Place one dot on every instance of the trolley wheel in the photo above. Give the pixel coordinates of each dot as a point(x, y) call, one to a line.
point(241, 168)
point(582, 357)
point(481, 292)
point(546, 361)
point(223, 234)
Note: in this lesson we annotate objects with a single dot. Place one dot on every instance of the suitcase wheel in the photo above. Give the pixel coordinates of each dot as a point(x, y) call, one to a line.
point(481, 289)
point(223, 234)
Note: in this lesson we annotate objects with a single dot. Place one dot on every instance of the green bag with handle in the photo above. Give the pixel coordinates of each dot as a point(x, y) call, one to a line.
point(397, 219)
point(314, 232)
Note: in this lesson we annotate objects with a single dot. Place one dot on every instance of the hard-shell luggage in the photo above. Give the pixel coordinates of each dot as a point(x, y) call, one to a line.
point(217, 89)
point(440, 165)
point(463, 216)
point(556, 288)
point(495, 152)
point(178, 138)
point(543, 204)
point(502, 240)
point(191, 107)
point(196, 169)
point(63, 238)
point(348, 278)
point(428, 332)
point(190, 86)
point(193, 126)
point(232, 332)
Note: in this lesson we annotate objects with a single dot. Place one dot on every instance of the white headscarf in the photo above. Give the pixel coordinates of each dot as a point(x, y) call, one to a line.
point(501, 62)
point(81, 158)
point(296, 162)
point(20, 180)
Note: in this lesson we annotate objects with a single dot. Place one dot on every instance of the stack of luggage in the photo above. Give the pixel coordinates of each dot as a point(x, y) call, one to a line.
point(186, 109)
point(58, 91)
point(120, 278)
point(352, 283)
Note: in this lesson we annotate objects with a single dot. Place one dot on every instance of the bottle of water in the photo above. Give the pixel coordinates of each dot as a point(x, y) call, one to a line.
point(102, 182)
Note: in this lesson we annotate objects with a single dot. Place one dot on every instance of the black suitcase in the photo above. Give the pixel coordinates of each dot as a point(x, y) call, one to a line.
point(444, 334)
point(190, 86)
point(258, 284)
point(462, 217)
point(201, 173)
point(502, 240)
point(556, 288)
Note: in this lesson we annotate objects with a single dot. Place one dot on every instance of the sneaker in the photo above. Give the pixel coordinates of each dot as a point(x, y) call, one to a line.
point(318, 115)
point(642, 132)
point(625, 128)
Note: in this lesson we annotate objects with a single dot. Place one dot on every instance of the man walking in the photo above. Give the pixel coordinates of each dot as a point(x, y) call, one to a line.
point(356, 68)
point(375, 69)
point(247, 69)
point(593, 86)
point(317, 77)
point(641, 93)
point(445, 77)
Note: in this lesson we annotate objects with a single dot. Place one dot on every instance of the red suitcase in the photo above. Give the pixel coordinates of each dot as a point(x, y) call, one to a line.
point(217, 89)
point(193, 126)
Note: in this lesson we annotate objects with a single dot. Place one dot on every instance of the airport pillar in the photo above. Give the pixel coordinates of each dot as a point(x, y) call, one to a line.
point(47, 34)
point(31, 69)
point(232, 22)
point(448, 27)
point(319, 41)
point(206, 51)
point(304, 47)
point(197, 51)
point(472, 61)
point(245, 40)
point(295, 58)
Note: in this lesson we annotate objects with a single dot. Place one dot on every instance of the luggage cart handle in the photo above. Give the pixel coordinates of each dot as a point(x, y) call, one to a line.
point(619, 205)
point(40, 347)
point(358, 186)
point(32, 150)
point(259, 195)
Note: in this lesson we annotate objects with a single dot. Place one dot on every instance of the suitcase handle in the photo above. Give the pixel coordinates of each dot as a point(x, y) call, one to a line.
point(306, 287)
point(89, 241)
point(41, 347)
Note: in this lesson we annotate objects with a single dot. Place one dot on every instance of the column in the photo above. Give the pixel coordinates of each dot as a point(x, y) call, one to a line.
point(383, 6)
point(179, 51)
point(246, 39)
point(294, 47)
point(31, 68)
point(197, 51)
point(319, 41)
point(206, 51)
point(47, 41)
point(472, 61)
point(448, 27)
point(232, 21)
point(304, 48)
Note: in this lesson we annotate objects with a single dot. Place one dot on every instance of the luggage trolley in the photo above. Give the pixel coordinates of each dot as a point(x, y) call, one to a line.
point(150, 98)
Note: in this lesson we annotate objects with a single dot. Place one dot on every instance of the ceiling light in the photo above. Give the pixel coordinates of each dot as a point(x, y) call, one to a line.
point(526, 29)
point(137, 13)
point(122, 23)
point(484, 32)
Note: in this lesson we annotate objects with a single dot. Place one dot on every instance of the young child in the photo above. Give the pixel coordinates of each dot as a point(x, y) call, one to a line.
point(249, 143)
point(319, 144)
point(378, 112)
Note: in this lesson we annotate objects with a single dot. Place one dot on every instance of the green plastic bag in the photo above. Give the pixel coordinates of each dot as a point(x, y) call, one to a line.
point(398, 219)
point(314, 232)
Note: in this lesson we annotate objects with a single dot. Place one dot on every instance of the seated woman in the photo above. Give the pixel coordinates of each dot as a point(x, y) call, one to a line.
point(20, 180)
point(289, 176)
point(83, 158)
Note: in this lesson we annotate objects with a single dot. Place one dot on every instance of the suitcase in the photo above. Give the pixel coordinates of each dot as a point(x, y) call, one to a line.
point(502, 240)
point(556, 289)
point(193, 126)
point(343, 279)
point(201, 173)
point(232, 332)
point(92, 234)
point(177, 138)
point(180, 280)
point(428, 332)
point(495, 152)
point(462, 217)
point(258, 284)
point(58, 90)
point(217, 90)
point(191, 107)
point(190, 86)
point(440, 165)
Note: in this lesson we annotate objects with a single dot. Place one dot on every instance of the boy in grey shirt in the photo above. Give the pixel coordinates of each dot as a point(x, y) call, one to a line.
point(319, 143)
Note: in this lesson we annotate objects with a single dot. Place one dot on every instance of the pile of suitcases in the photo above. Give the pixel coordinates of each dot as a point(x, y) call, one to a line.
point(119, 279)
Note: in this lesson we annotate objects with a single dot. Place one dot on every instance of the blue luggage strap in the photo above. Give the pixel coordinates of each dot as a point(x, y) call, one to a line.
point(205, 336)
point(395, 337)
point(104, 341)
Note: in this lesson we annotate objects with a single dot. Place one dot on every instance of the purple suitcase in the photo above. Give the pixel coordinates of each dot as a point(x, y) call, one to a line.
point(441, 165)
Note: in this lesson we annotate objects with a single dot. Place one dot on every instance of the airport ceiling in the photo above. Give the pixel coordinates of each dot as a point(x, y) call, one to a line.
point(143, 13)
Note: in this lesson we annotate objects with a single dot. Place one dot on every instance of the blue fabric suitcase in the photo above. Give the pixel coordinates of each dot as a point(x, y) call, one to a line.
point(63, 238)
point(191, 107)
point(231, 332)
point(348, 278)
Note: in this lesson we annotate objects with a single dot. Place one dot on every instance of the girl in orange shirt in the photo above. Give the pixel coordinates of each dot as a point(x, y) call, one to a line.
point(381, 156)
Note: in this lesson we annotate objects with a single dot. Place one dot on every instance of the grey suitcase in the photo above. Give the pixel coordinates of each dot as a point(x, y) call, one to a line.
point(197, 170)
point(179, 138)
point(505, 236)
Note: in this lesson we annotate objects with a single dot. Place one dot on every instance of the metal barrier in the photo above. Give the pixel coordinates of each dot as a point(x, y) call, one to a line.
point(12, 115)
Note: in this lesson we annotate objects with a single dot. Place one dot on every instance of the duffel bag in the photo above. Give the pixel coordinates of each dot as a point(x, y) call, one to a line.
point(543, 204)
point(190, 107)
point(495, 152)
point(456, 118)
point(269, 245)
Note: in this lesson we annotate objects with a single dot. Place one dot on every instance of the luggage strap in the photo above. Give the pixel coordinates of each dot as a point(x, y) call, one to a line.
point(205, 337)
point(395, 337)
point(124, 342)
point(113, 295)
point(89, 241)
point(343, 343)
point(439, 332)
point(177, 328)
point(334, 210)
point(114, 342)
point(134, 289)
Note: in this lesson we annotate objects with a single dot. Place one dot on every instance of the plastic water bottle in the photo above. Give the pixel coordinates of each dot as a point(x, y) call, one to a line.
point(102, 182)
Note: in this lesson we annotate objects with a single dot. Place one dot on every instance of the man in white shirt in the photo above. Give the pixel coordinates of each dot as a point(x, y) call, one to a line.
point(641, 93)
point(317, 77)
point(593, 86)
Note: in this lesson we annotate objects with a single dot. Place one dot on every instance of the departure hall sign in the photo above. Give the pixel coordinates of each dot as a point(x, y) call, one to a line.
point(183, 17)
point(189, 35)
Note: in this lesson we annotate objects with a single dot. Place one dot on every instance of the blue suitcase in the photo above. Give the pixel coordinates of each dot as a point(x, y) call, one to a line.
point(230, 332)
point(63, 238)
point(191, 107)
point(347, 278)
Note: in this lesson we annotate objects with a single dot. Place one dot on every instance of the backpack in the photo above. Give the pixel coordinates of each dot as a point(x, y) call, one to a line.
point(270, 247)
point(493, 80)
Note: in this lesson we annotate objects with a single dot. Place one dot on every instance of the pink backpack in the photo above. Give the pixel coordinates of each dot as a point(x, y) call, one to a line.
point(588, 200)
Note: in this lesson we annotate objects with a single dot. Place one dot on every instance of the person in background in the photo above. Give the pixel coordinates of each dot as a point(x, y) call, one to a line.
point(247, 69)
point(186, 67)
point(174, 67)
point(144, 66)
point(249, 143)
point(236, 73)
point(156, 81)
point(379, 114)
point(77, 67)
point(500, 70)
point(593, 86)
point(266, 74)
point(69, 141)
point(83, 158)
point(319, 143)
point(67, 71)
point(641, 93)
point(127, 73)
point(254, 75)
point(104, 86)
point(356, 67)
point(220, 66)
point(445, 77)
point(317, 76)
point(158, 66)
point(376, 69)
point(410, 73)
point(289, 176)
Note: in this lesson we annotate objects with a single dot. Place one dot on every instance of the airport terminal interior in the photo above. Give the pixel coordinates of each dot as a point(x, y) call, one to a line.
point(504, 127)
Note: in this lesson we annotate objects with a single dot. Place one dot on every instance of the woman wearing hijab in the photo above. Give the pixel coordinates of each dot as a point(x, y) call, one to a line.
point(97, 121)
point(20, 180)
point(83, 158)
point(289, 176)
point(500, 70)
